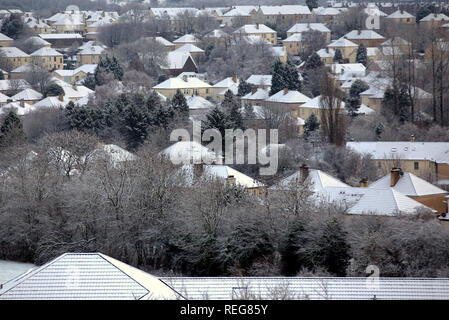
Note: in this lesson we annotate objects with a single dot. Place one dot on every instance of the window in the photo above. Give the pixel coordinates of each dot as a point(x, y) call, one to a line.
point(54, 59)
point(416, 165)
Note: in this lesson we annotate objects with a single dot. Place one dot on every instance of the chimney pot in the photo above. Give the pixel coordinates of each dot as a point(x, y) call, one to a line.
point(257, 26)
point(234, 78)
point(395, 174)
point(231, 180)
point(285, 90)
point(61, 97)
point(253, 90)
point(364, 183)
point(359, 31)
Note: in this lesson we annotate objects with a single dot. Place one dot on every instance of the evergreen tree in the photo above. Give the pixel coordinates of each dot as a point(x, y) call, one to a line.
point(135, 125)
point(2, 76)
point(292, 76)
point(312, 124)
point(249, 112)
point(107, 65)
point(312, 4)
point(53, 90)
point(89, 82)
point(232, 109)
point(313, 61)
point(338, 57)
point(179, 105)
point(244, 88)
point(291, 260)
point(13, 26)
point(396, 102)
point(217, 119)
point(353, 101)
point(278, 77)
point(362, 56)
point(11, 131)
point(379, 130)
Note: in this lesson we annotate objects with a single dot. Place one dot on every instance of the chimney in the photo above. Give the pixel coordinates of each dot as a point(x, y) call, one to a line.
point(359, 31)
point(230, 180)
point(61, 97)
point(184, 77)
point(257, 26)
point(395, 174)
point(412, 138)
point(364, 183)
point(234, 78)
point(327, 49)
point(303, 172)
point(285, 91)
point(22, 103)
point(308, 25)
point(253, 90)
point(402, 11)
point(198, 169)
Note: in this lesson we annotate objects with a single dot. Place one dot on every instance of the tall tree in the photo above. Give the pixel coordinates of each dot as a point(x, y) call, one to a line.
point(278, 82)
point(353, 101)
point(244, 88)
point(362, 56)
point(292, 76)
point(313, 61)
point(338, 57)
point(179, 105)
point(11, 131)
point(312, 4)
point(232, 108)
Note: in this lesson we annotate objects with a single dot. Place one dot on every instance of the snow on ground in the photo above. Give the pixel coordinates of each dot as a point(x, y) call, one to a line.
point(11, 269)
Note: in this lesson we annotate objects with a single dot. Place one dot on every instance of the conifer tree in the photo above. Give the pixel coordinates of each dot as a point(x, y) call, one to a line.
point(244, 88)
point(11, 131)
point(278, 82)
point(362, 56)
point(313, 61)
point(179, 104)
point(338, 57)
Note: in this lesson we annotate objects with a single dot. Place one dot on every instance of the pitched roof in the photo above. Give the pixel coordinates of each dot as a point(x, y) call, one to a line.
point(254, 28)
point(304, 27)
point(317, 178)
point(53, 36)
point(342, 42)
point(435, 17)
point(178, 59)
point(291, 96)
point(188, 47)
point(363, 34)
point(27, 95)
point(315, 103)
point(259, 79)
point(432, 151)
point(223, 172)
point(323, 53)
point(51, 102)
point(197, 102)
point(178, 83)
point(400, 14)
point(408, 184)
point(217, 33)
point(260, 94)
point(186, 39)
point(226, 83)
point(163, 41)
point(13, 52)
point(4, 37)
point(309, 288)
point(284, 9)
point(19, 108)
point(190, 152)
point(86, 276)
point(46, 52)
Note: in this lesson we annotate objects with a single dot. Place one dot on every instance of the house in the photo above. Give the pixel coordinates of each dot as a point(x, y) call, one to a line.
point(52, 102)
point(14, 57)
point(401, 16)
point(48, 58)
point(257, 29)
point(217, 36)
point(280, 53)
point(325, 15)
point(168, 46)
point(225, 85)
point(315, 106)
point(86, 276)
point(179, 62)
point(198, 105)
point(348, 49)
point(185, 39)
point(310, 26)
point(67, 23)
point(369, 38)
point(37, 42)
point(90, 54)
point(13, 86)
point(414, 187)
point(434, 20)
point(346, 71)
point(326, 55)
point(5, 41)
point(226, 174)
point(76, 75)
point(21, 108)
point(396, 43)
point(290, 99)
point(92, 27)
point(62, 40)
point(280, 14)
point(187, 85)
point(37, 25)
point(29, 96)
point(293, 44)
point(427, 160)
point(239, 15)
point(194, 51)
point(22, 71)
point(256, 97)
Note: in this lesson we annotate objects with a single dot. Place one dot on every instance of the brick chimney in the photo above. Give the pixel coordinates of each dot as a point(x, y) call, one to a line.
point(412, 138)
point(234, 78)
point(253, 90)
point(184, 77)
point(61, 97)
point(285, 91)
point(230, 180)
point(359, 31)
point(257, 26)
point(303, 172)
point(364, 183)
point(395, 175)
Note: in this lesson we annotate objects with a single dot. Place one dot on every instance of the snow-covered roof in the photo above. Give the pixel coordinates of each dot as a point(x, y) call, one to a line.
point(408, 184)
point(217, 33)
point(4, 37)
point(223, 172)
point(86, 276)
point(187, 38)
point(93, 49)
point(238, 11)
point(435, 17)
point(191, 48)
point(355, 69)
point(317, 178)
point(37, 41)
point(226, 83)
point(20, 108)
point(326, 53)
point(315, 103)
point(321, 11)
point(304, 27)
point(313, 288)
point(291, 96)
point(254, 28)
point(258, 79)
point(260, 94)
point(27, 95)
point(371, 201)
point(407, 150)
point(178, 83)
point(342, 42)
point(51, 102)
point(400, 14)
point(197, 102)
point(46, 52)
point(190, 152)
point(374, 11)
point(13, 52)
point(19, 84)
point(163, 41)
point(54, 36)
point(177, 59)
point(113, 153)
point(284, 10)
point(363, 34)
